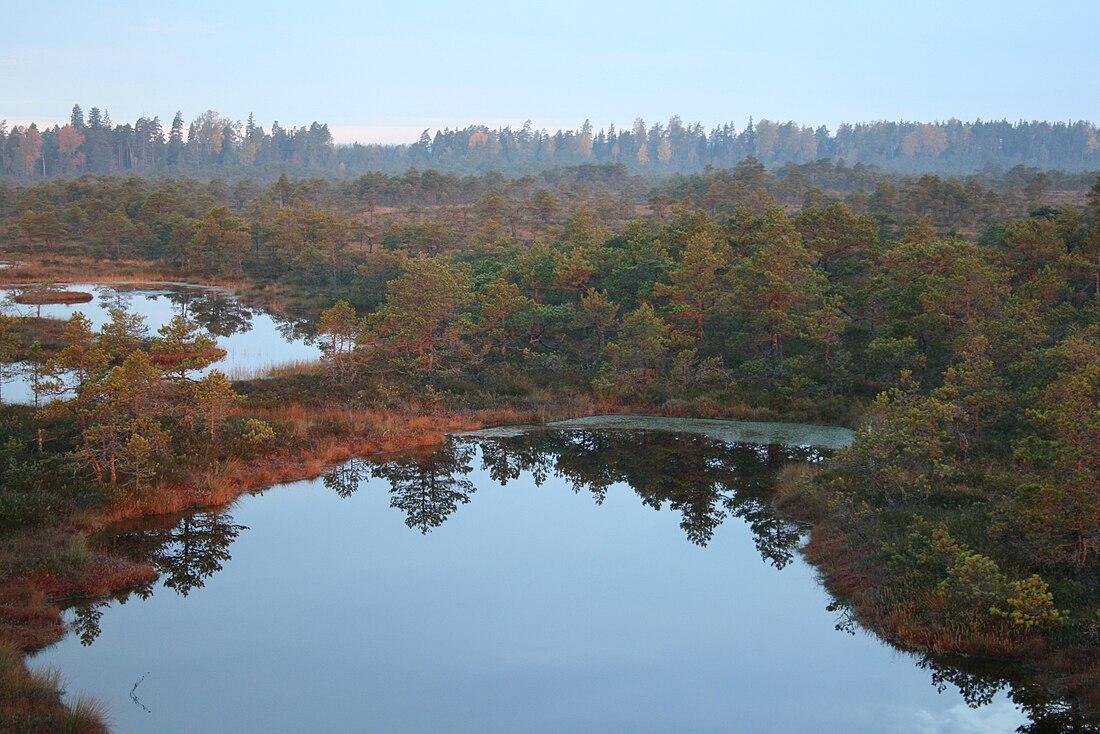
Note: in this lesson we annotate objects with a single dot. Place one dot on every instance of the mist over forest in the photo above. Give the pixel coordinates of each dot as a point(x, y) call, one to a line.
point(212, 145)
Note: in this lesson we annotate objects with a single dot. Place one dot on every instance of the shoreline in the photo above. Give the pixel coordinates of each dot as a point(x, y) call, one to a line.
point(827, 550)
point(35, 597)
point(1069, 671)
point(100, 577)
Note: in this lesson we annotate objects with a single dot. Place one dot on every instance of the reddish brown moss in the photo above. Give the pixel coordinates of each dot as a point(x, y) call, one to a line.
point(43, 298)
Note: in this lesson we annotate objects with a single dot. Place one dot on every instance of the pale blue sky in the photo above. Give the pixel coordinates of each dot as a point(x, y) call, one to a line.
point(383, 72)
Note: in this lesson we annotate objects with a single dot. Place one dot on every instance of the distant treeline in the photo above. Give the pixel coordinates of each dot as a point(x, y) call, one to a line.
point(212, 146)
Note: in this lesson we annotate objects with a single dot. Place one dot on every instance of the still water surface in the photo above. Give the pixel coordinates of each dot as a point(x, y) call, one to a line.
point(573, 579)
point(253, 339)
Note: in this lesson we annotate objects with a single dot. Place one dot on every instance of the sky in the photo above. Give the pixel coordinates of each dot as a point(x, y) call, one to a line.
point(383, 72)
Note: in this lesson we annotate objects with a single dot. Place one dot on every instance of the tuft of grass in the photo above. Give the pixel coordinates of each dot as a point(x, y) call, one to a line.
point(84, 715)
point(275, 370)
point(21, 682)
point(66, 559)
point(31, 701)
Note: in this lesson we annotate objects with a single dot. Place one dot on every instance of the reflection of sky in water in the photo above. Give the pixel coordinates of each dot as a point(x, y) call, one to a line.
point(529, 610)
point(261, 346)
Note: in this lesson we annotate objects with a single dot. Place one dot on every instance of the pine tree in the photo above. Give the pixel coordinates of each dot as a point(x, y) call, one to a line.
point(175, 140)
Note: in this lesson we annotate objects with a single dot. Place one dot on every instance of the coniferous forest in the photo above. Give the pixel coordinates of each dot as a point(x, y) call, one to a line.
point(934, 286)
point(213, 146)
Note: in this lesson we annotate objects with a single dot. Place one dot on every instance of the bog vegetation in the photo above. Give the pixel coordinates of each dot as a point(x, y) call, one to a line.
point(957, 322)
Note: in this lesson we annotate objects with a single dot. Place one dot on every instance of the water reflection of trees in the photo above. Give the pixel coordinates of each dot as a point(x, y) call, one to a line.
point(428, 489)
point(706, 481)
point(113, 298)
point(223, 314)
point(185, 549)
point(703, 479)
point(979, 681)
point(427, 486)
point(293, 329)
point(219, 313)
point(345, 479)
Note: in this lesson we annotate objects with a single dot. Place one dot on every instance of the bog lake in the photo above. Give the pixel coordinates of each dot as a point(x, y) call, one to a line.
point(600, 575)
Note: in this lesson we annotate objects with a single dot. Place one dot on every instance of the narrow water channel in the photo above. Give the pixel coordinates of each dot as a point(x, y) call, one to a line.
point(573, 579)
